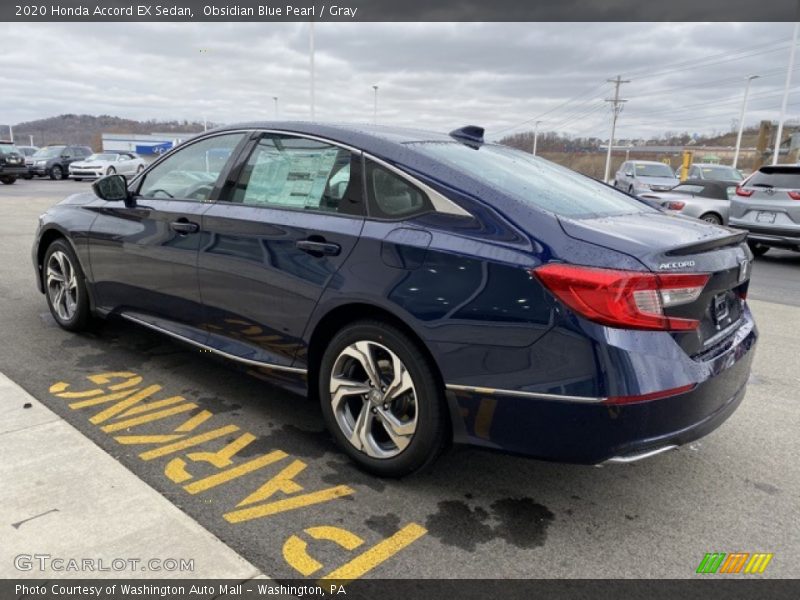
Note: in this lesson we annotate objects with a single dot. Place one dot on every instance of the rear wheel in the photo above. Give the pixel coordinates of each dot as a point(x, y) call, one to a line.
point(8, 180)
point(56, 172)
point(28, 176)
point(381, 399)
point(78, 178)
point(65, 287)
point(712, 218)
point(758, 249)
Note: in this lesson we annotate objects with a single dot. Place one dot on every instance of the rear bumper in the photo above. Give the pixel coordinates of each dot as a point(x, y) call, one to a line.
point(770, 236)
point(590, 431)
point(7, 171)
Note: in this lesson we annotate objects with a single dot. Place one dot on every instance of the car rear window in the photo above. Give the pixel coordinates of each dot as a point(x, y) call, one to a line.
point(651, 170)
point(533, 180)
point(6, 148)
point(782, 177)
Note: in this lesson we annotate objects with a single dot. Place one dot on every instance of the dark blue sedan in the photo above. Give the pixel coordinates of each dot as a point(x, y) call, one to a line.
point(427, 288)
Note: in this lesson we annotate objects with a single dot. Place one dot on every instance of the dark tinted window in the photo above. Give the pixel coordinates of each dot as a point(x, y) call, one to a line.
point(391, 196)
point(299, 174)
point(777, 178)
point(688, 189)
point(533, 180)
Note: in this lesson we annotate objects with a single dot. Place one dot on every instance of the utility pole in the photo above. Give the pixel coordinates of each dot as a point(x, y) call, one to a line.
point(375, 106)
point(30, 136)
point(616, 108)
point(785, 96)
point(741, 120)
point(535, 135)
point(275, 98)
point(311, 59)
point(11, 133)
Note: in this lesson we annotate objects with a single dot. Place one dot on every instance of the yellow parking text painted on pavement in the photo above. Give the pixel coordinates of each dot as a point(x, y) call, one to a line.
point(126, 403)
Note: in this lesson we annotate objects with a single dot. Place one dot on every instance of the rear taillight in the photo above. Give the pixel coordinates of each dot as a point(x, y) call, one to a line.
point(676, 205)
point(625, 299)
point(794, 195)
point(651, 396)
point(743, 192)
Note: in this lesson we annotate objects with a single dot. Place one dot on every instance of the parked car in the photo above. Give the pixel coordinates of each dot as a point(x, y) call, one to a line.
point(54, 161)
point(426, 288)
point(700, 198)
point(767, 206)
point(715, 172)
point(12, 163)
point(639, 176)
point(29, 152)
point(107, 163)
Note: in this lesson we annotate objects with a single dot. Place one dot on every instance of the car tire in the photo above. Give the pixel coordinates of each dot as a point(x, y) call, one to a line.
point(630, 190)
point(78, 178)
point(139, 169)
point(711, 218)
point(8, 180)
point(27, 177)
point(111, 171)
point(65, 287)
point(393, 434)
point(758, 249)
point(56, 172)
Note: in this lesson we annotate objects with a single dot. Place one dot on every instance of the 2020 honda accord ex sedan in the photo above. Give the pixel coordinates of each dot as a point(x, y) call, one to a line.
point(427, 288)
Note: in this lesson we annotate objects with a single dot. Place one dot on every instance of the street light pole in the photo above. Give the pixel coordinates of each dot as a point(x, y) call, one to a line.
point(785, 96)
point(311, 59)
point(535, 135)
point(275, 98)
point(741, 120)
point(375, 106)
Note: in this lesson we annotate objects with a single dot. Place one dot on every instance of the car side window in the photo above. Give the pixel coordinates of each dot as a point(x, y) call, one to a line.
point(393, 197)
point(191, 173)
point(300, 174)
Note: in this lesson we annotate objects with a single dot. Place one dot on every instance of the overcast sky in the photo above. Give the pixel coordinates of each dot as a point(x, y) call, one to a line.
point(684, 76)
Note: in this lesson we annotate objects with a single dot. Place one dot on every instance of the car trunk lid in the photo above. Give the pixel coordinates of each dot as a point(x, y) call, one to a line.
point(676, 244)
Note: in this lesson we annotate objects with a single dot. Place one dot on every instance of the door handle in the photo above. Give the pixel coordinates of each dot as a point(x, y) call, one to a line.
point(184, 226)
point(318, 248)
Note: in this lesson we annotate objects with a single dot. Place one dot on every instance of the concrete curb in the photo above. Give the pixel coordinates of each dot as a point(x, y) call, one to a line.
point(65, 497)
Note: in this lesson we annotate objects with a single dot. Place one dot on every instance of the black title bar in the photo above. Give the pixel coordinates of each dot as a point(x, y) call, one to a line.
point(398, 10)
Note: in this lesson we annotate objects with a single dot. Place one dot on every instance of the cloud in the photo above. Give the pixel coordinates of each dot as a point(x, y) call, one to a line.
point(684, 76)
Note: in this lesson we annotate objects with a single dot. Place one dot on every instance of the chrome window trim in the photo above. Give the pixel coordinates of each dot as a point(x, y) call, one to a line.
point(177, 336)
point(522, 394)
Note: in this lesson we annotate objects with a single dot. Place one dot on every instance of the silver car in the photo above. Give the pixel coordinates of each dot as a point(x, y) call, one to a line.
point(714, 172)
point(641, 176)
point(698, 198)
point(767, 205)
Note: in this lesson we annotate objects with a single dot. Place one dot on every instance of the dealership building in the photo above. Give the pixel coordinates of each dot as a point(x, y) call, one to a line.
point(148, 146)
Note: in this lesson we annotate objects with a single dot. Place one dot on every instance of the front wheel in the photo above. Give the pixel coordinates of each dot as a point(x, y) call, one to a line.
point(8, 180)
point(56, 172)
point(758, 249)
point(381, 399)
point(111, 171)
point(65, 287)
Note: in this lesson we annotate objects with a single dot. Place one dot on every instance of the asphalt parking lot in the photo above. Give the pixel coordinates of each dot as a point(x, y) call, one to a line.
point(293, 505)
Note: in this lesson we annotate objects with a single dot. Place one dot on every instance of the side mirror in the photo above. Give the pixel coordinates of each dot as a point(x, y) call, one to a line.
point(113, 188)
point(629, 174)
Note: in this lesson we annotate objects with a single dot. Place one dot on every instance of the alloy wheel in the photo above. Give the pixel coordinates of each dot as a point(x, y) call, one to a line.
point(374, 400)
point(62, 285)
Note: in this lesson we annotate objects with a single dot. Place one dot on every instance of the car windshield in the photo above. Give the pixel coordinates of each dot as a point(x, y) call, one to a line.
point(103, 157)
point(6, 148)
point(688, 189)
point(50, 152)
point(776, 178)
point(533, 180)
point(653, 170)
point(720, 172)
